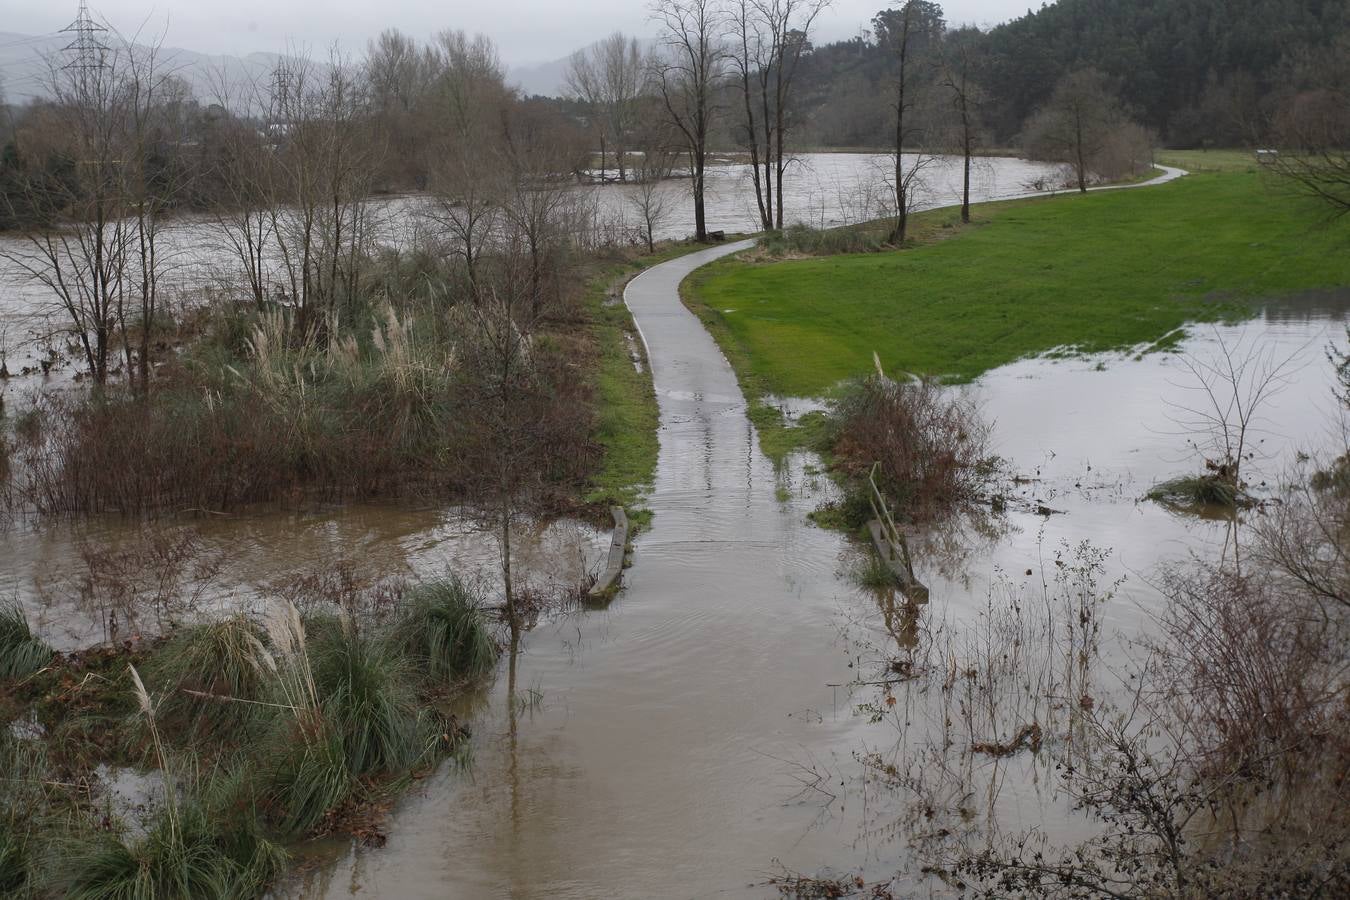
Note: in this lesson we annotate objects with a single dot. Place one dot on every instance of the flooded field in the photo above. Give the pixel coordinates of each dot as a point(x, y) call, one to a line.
point(703, 734)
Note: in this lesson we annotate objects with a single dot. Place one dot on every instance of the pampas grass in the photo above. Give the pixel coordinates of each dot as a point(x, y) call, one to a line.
point(21, 652)
point(443, 626)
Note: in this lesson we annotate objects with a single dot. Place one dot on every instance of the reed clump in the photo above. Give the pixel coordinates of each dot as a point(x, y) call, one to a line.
point(22, 653)
point(262, 729)
point(346, 414)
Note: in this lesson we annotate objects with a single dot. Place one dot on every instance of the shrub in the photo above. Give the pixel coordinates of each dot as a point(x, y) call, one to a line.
point(928, 443)
point(21, 652)
point(444, 627)
point(802, 239)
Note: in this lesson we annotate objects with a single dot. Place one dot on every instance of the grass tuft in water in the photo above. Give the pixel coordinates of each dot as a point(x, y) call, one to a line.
point(1197, 492)
point(21, 652)
point(363, 683)
point(212, 676)
point(873, 573)
point(444, 628)
point(207, 846)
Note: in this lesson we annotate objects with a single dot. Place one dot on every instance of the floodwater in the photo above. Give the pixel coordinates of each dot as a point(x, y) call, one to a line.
point(700, 735)
point(823, 189)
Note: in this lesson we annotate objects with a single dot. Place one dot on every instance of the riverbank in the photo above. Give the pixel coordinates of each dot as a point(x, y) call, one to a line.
point(1069, 275)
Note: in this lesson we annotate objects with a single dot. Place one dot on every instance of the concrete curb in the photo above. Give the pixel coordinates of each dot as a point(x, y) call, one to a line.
point(608, 583)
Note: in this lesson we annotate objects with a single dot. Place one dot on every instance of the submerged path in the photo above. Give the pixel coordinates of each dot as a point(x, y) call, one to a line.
point(690, 739)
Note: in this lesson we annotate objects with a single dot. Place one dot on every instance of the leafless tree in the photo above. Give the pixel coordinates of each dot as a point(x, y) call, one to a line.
point(687, 74)
point(325, 154)
point(84, 263)
point(1312, 130)
point(399, 72)
point(768, 39)
point(908, 34)
point(1076, 125)
point(538, 206)
point(650, 199)
point(609, 77)
point(468, 100)
point(956, 74)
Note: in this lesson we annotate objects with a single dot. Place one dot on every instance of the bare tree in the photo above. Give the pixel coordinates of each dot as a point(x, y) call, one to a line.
point(324, 155)
point(687, 75)
point(1076, 125)
point(650, 199)
point(84, 262)
point(1313, 133)
point(468, 100)
point(908, 34)
point(768, 40)
point(956, 74)
point(608, 77)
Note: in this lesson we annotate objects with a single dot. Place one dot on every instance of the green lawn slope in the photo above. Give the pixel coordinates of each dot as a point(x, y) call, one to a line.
point(1107, 271)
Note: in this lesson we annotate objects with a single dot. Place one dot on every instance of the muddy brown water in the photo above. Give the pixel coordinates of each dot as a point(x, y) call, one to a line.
point(700, 735)
point(701, 732)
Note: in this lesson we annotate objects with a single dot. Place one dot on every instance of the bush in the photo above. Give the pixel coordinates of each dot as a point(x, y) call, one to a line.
point(444, 628)
point(21, 652)
point(807, 241)
point(927, 443)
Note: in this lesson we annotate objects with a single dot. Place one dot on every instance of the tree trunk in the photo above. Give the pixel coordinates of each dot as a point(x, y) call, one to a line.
point(700, 221)
point(965, 178)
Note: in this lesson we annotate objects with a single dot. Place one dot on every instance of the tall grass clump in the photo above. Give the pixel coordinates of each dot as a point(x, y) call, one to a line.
point(194, 848)
point(23, 803)
point(365, 688)
point(215, 678)
point(803, 240)
point(349, 713)
point(443, 626)
point(21, 652)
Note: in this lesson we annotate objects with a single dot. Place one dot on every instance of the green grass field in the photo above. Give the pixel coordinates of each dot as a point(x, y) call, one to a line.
point(1202, 161)
point(1108, 271)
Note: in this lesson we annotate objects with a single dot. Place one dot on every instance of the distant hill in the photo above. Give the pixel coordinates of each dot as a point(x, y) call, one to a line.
point(23, 67)
point(1196, 71)
point(544, 79)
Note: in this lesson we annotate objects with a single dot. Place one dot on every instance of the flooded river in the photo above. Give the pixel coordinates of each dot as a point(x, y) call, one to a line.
point(700, 735)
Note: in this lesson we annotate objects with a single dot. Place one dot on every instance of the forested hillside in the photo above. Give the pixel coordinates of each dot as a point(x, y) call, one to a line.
point(1196, 71)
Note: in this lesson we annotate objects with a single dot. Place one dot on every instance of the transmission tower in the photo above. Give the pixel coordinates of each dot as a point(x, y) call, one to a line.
point(88, 52)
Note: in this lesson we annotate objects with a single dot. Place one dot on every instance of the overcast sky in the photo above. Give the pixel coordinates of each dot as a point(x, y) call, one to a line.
point(527, 31)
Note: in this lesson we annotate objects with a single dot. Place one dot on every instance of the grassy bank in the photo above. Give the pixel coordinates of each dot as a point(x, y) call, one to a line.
point(1209, 161)
point(1109, 271)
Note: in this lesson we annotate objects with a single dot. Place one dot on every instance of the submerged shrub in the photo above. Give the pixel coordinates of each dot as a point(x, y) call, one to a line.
point(21, 652)
point(1197, 492)
point(444, 627)
point(928, 443)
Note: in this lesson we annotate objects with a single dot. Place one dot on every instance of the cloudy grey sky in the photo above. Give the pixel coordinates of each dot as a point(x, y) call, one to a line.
point(527, 31)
